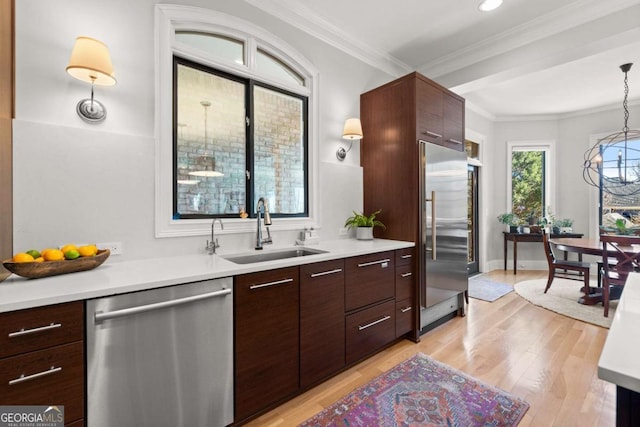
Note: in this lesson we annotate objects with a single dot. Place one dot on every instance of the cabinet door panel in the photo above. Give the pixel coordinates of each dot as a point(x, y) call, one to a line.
point(266, 339)
point(429, 110)
point(53, 376)
point(404, 282)
point(369, 279)
point(321, 320)
point(454, 122)
point(369, 330)
point(404, 316)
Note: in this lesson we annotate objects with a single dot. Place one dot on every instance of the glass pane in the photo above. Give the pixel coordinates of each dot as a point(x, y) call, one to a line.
point(527, 184)
point(219, 46)
point(270, 66)
point(210, 144)
point(279, 151)
point(620, 175)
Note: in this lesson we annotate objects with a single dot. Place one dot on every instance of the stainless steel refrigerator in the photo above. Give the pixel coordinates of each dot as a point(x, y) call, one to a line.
point(444, 229)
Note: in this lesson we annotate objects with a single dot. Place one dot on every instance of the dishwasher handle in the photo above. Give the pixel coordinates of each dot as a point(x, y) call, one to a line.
point(101, 316)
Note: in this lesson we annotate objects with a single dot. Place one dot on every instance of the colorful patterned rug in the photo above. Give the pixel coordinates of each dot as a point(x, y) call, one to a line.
point(423, 392)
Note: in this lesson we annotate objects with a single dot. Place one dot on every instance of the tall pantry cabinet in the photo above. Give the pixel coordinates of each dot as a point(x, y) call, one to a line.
point(395, 117)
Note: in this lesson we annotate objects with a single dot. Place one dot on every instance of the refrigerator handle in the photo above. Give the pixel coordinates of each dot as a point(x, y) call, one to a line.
point(433, 225)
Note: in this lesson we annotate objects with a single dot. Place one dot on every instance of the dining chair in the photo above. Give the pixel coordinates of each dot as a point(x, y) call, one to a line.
point(560, 268)
point(618, 260)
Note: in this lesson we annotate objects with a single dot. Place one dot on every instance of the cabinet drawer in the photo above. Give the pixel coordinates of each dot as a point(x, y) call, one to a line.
point(54, 376)
point(404, 282)
point(404, 316)
point(370, 329)
point(404, 256)
point(369, 279)
point(36, 328)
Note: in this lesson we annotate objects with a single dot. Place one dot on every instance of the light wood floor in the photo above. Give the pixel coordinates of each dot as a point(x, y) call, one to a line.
point(547, 359)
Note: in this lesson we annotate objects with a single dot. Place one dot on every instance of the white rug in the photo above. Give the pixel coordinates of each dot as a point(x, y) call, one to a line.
point(562, 298)
point(481, 287)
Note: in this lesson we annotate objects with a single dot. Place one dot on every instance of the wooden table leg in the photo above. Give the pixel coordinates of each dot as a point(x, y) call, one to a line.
point(505, 252)
point(515, 256)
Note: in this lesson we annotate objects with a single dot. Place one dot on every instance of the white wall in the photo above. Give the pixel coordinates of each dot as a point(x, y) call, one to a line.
point(76, 182)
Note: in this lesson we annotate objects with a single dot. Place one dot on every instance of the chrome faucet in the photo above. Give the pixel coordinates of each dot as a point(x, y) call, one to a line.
point(263, 211)
point(213, 244)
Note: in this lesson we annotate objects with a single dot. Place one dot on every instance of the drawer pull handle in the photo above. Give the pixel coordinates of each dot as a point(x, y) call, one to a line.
point(24, 377)
point(404, 310)
point(432, 134)
point(383, 262)
point(324, 273)
point(406, 256)
point(277, 282)
point(34, 330)
point(406, 274)
point(375, 322)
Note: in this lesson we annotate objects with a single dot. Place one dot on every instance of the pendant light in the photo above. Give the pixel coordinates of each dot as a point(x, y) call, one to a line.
point(206, 164)
point(612, 164)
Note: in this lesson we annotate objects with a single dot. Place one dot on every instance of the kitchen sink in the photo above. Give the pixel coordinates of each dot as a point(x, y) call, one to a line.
point(272, 255)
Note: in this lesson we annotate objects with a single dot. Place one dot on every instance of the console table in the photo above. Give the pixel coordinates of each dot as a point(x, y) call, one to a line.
point(527, 237)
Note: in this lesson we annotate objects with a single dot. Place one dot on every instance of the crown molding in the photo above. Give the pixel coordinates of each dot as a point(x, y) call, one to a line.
point(305, 19)
point(560, 20)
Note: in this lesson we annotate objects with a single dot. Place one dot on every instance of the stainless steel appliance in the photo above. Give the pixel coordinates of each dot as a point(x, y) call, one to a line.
point(444, 225)
point(162, 357)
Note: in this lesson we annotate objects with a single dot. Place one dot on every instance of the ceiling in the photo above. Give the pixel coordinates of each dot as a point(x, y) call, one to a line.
point(527, 58)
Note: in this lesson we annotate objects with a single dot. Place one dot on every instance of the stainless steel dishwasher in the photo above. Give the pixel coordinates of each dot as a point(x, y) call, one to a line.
point(162, 357)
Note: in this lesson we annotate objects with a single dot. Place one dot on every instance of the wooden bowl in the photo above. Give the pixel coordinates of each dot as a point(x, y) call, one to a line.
point(35, 270)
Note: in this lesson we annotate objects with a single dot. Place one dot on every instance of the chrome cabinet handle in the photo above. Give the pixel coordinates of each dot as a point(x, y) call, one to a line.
point(404, 310)
point(406, 256)
point(455, 141)
point(100, 316)
point(24, 377)
point(432, 134)
point(382, 262)
point(403, 275)
point(277, 282)
point(324, 273)
point(34, 330)
point(375, 322)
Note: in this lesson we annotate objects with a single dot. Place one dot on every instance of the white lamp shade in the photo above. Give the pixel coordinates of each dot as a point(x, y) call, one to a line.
point(352, 129)
point(90, 62)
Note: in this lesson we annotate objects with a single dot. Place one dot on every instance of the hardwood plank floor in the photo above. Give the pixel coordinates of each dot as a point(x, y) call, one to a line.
point(547, 359)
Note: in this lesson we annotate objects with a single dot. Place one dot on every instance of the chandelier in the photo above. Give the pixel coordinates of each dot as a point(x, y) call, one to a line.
point(612, 164)
point(206, 164)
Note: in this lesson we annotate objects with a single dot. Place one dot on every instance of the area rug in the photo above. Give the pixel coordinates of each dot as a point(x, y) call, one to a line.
point(481, 287)
point(562, 298)
point(423, 392)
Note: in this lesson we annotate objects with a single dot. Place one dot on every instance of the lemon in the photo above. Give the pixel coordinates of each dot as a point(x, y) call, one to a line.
point(88, 250)
point(71, 254)
point(68, 247)
point(34, 253)
point(44, 251)
point(22, 257)
point(39, 259)
point(53, 255)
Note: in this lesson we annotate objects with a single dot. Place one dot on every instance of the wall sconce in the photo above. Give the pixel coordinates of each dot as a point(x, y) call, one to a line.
point(90, 62)
point(352, 130)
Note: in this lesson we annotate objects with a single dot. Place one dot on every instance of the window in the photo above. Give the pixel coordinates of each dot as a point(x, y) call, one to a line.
point(529, 180)
point(236, 115)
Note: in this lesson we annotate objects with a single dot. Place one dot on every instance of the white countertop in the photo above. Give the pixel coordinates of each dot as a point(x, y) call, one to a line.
point(620, 359)
point(111, 278)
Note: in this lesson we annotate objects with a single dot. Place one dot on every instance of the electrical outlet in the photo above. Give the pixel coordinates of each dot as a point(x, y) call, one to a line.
point(343, 231)
point(114, 247)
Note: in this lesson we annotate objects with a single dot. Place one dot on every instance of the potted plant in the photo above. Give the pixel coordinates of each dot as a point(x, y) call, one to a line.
point(564, 225)
point(364, 224)
point(511, 220)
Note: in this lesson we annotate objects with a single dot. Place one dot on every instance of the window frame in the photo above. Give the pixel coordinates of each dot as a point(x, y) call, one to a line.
point(172, 18)
point(549, 147)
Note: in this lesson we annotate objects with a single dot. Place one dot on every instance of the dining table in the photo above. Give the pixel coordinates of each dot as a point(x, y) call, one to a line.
point(593, 247)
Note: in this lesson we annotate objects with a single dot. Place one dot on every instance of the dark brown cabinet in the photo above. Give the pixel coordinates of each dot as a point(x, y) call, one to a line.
point(369, 279)
point(42, 358)
point(405, 292)
point(266, 337)
point(322, 321)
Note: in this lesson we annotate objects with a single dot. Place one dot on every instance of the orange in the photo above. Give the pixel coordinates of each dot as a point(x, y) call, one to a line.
point(22, 257)
point(88, 250)
point(53, 255)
